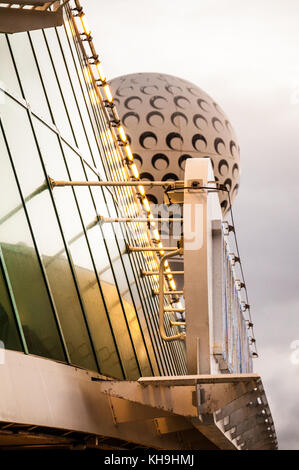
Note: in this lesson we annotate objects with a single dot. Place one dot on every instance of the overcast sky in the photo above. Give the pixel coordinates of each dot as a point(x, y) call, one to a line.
point(245, 55)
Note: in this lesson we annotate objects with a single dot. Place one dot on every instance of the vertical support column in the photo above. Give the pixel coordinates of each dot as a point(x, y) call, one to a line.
point(217, 250)
point(200, 208)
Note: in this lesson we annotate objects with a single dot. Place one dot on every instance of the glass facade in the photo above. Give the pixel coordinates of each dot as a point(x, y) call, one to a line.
point(69, 289)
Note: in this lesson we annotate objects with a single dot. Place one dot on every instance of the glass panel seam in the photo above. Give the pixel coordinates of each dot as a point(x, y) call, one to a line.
point(52, 303)
point(13, 303)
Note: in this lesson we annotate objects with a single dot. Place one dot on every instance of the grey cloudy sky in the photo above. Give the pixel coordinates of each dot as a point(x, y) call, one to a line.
point(245, 55)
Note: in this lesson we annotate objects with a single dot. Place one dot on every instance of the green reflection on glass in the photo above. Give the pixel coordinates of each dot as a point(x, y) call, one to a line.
point(8, 328)
point(74, 234)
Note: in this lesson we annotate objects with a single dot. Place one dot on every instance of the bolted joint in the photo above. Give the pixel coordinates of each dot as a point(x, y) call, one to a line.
point(245, 306)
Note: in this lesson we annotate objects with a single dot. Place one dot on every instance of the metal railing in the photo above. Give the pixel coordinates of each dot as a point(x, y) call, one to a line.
point(236, 342)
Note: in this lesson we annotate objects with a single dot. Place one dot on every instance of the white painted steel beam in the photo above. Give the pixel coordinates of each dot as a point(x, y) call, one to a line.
point(13, 20)
point(196, 279)
point(184, 380)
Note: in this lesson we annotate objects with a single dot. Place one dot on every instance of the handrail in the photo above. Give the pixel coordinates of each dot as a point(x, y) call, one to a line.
point(180, 336)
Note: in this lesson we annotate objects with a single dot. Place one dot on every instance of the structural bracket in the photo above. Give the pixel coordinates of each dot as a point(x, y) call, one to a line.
point(173, 403)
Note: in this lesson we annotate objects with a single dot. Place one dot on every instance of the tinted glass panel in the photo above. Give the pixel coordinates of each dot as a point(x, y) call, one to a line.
point(94, 308)
point(28, 72)
point(110, 292)
point(8, 328)
point(7, 71)
point(23, 266)
point(50, 243)
point(51, 85)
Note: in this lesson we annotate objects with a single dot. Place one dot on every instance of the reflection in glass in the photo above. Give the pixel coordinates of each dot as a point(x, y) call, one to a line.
point(8, 327)
point(80, 258)
point(94, 240)
point(28, 72)
point(24, 271)
point(79, 294)
point(8, 78)
point(51, 85)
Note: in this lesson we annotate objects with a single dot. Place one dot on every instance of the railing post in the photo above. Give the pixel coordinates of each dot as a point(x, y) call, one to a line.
point(218, 323)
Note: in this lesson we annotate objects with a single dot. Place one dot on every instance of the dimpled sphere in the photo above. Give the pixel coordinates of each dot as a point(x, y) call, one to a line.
point(167, 121)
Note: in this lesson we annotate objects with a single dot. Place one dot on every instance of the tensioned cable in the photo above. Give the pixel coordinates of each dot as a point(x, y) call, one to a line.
point(241, 267)
point(224, 188)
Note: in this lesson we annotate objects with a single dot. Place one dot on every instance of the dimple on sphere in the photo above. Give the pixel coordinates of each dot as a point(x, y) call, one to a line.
point(168, 120)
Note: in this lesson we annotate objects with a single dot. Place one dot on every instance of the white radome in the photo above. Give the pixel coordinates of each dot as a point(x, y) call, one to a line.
point(167, 120)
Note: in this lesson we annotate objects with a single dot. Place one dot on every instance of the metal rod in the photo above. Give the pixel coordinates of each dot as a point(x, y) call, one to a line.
point(177, 323)
point(156, 273)
point(170, 292)
point(140, 248)
point(139, 219)
point(173, 309)
point(59, 183)
point(180, 336)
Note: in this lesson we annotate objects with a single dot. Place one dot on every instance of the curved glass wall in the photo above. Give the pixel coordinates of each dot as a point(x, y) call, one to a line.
point(69, 290)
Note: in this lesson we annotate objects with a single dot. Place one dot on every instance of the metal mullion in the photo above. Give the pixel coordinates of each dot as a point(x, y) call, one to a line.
point(133, 300)
point(91, 169)
point(148, 288)
point(94, 121)
point(150, 316)
point(100, 289)
point(174, 354)
point(74, 95)
point(75, 280)
point(80, 84)
point(65, 242)
point(177, 356)
point(44, 275)
point(132, 296)
point(149, 295)
point(139, 296)
point(13, 302)
point(25, 105)
point(59, 86)
point(41, 78)
point(96, 141)
point(20, 101)
point(165, 347)
point(64, 346)
point(85, 233)
point(105, 166)
point(145, 315)
point(55, 209)
point(130, 289)
point(116, 285)
point(63, 237)
point(123, 266)
point(87, 109)
point(145, 311)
